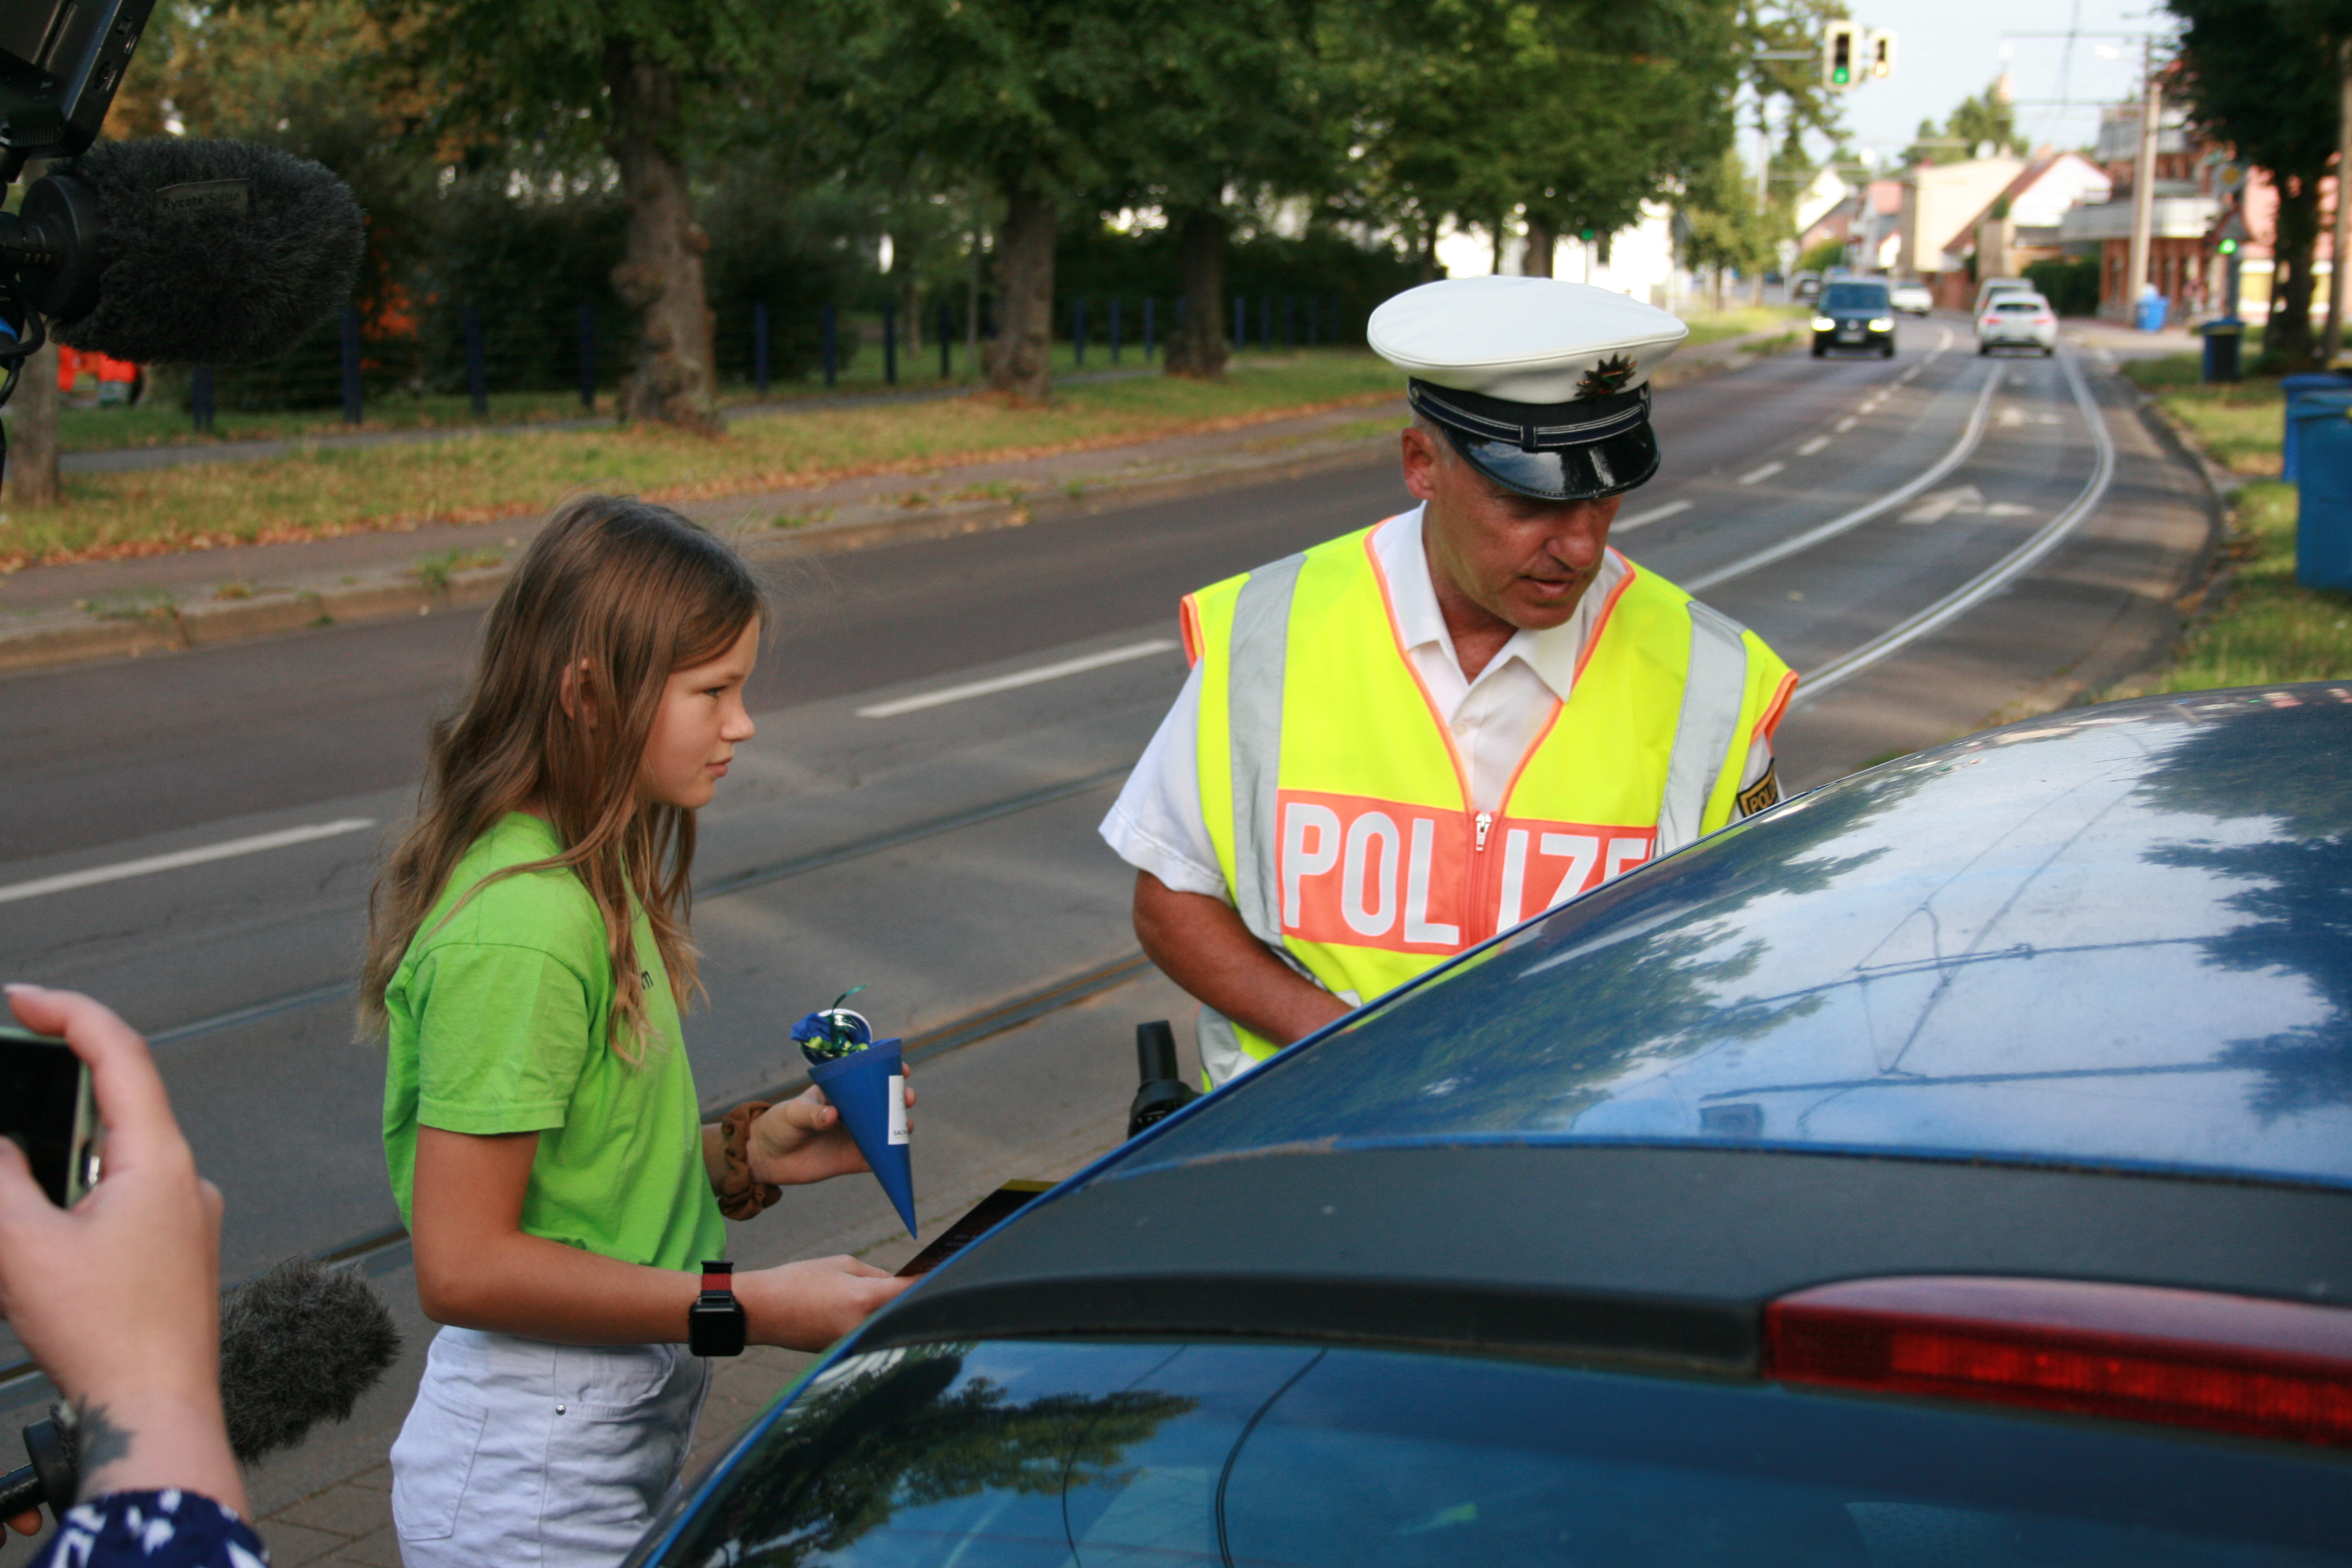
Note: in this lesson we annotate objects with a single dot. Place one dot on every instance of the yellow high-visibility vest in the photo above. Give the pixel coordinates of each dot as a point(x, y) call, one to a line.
point(1341, 812)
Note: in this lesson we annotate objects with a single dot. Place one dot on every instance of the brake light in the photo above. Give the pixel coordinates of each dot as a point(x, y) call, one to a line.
point(2130, 1352)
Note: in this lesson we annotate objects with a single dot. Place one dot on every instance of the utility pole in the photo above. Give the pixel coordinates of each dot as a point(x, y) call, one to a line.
point(2144, 188)
point(2340, 238)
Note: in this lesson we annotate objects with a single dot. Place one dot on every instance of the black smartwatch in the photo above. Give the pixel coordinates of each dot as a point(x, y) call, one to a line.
point(716, 1325)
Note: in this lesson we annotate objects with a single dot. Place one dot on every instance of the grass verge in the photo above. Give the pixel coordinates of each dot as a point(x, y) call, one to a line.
point(2253, 624)
point(319, 492)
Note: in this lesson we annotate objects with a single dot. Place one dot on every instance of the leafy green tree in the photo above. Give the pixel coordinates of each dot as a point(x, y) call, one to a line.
point(1986, 120)
point(1229, 107)
point(1571, 113)
point(1029, 100)
point(2254, 78)
point(1719, 226)
point(637, 80)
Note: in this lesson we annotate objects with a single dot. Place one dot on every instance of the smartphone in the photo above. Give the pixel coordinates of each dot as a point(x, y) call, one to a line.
point(46, 1106)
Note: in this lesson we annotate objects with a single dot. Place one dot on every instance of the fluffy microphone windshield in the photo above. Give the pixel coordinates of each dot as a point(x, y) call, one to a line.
point(299, 1346)
point(216, 252)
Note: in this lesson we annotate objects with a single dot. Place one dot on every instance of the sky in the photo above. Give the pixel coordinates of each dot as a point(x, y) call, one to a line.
point(1946, 52)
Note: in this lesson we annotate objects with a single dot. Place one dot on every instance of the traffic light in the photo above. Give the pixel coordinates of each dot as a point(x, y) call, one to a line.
point(2227, 248)
point(1841, 51)
point(1881, 56)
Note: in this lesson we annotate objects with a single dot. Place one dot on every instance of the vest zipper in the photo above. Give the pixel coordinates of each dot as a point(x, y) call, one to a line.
point(1476, 921)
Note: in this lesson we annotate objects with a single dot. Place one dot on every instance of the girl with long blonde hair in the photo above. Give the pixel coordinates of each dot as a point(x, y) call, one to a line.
point(527, 950)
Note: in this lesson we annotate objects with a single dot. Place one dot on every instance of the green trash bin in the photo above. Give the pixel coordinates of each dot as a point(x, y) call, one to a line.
point(2323, 519)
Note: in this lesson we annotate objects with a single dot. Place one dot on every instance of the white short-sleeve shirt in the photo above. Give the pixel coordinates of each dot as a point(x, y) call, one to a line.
point(1157, 824)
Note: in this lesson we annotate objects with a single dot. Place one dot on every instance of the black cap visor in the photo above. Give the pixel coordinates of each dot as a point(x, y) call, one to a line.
point(1587, 449)
point(1606, 468)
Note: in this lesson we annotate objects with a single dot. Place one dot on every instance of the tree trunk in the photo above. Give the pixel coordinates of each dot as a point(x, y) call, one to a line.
point(660, 275)
point(1198, 348)
point(1543, 239)
point(32, 479)
point(1021, 361)
point(1430, 271)
point(2287, 345)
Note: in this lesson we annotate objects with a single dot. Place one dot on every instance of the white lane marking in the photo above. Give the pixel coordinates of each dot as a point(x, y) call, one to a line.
point(1008, 682)
point(1643, 519)
point(147, 865)
point(1815, 444)
point(1965, 500)
point(1991, 581)
point(1868, 509)
point(1846, 424)
point(1766, 472)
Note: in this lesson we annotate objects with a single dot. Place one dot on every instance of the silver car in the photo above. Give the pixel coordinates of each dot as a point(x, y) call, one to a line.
point(2017, 320)
point(1913, 298)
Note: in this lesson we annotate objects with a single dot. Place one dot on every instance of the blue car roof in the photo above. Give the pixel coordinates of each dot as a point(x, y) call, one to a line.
point(2117, 937)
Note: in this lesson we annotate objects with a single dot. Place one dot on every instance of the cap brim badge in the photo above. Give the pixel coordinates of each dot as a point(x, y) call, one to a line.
point(1608, 377)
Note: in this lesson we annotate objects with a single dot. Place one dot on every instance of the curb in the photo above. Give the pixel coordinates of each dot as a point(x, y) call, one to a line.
point(82, 638)
point(85, 638)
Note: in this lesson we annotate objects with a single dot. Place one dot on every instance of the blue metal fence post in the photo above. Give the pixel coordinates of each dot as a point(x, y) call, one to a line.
point(1151, 327)
point(200, 398)
point(478, 374)
point(587, 356)
point(1265, 320)
point(1179, 312)
point(350, 364)
point(1078, 332)
point(1312, 313)
point(890, 345)
point(1241, 324)
point(1290, 321)
point(947, 332)
point(832, 344)
point(760, 347)
point(1114, 329)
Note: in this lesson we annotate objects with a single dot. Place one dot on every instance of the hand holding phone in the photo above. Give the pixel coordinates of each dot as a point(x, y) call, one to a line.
point(117, 1298)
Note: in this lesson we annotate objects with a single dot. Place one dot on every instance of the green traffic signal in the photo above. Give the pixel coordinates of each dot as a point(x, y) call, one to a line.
point(2227, 248)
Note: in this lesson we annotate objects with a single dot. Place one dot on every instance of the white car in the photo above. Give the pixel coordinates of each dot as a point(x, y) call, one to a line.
point(1913, 298)
point(2017, 320)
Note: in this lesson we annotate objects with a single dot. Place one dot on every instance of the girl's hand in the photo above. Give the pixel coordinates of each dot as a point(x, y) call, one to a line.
point(803, 1140)
point(119, 1299)
point(808, 1305)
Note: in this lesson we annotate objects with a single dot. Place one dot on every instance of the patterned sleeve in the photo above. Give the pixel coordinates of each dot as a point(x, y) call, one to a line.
point(152, 1529)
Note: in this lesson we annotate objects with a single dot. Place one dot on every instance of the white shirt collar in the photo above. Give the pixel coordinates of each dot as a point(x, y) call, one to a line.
point(1552, 655)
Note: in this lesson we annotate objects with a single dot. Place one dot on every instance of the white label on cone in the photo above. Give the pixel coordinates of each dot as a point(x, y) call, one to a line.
point(897, 1108)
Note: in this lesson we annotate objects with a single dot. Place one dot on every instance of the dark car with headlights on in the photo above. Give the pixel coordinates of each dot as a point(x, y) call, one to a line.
point(1952, 1165)
point(1854, 315)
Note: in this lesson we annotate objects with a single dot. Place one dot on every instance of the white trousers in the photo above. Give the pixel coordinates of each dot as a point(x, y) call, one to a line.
point(522, 1454)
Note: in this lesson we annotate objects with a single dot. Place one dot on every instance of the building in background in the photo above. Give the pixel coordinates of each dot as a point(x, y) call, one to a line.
point(1936, 227)
point(2182, 215)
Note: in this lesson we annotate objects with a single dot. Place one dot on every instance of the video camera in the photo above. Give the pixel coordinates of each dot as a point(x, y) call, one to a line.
point(166, 250)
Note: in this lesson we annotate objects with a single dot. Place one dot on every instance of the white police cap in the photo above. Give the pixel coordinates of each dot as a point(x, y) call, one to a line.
point(1542, 385)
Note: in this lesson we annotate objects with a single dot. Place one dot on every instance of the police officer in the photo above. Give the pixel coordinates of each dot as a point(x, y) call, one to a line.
point(1395, 745)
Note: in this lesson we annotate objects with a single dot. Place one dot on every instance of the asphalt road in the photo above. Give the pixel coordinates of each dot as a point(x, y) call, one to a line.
point(945, 856)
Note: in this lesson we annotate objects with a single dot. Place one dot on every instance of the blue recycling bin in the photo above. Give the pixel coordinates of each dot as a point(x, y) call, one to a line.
point(2150, 312)
point(2222, 340)
point(2294, 386)
point(2321, 421)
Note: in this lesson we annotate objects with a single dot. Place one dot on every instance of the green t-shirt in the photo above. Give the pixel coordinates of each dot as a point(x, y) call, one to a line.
point(499, 1020)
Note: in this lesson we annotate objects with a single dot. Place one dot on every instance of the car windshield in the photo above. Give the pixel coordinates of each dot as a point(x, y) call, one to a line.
point(1040, 1455)
point(1854, 298)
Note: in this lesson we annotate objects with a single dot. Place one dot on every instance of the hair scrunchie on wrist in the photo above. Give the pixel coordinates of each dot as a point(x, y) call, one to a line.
point(740, 1195)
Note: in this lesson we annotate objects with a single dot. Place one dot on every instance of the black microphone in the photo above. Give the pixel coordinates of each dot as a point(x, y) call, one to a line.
point(297, 1346)
point(1163, 1090)
point(173, 250)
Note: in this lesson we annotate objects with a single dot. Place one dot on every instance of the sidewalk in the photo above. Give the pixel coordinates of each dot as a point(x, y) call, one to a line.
point(159, 603)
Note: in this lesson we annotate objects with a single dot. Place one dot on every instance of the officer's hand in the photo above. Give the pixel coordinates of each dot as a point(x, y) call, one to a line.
point(803, 1140)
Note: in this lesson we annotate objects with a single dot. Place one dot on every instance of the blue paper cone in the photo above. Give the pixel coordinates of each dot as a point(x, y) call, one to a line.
point(869, 1088)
